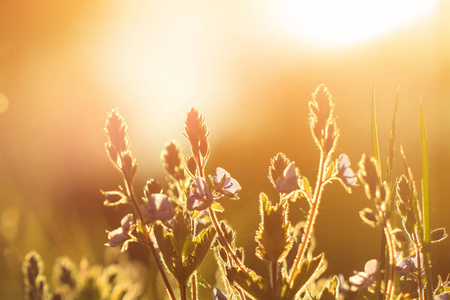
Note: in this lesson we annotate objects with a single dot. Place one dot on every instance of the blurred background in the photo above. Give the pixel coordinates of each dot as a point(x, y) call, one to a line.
point(249, 67)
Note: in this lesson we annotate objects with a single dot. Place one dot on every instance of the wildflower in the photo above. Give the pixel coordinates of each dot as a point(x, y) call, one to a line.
point(445, 296)
point(158, 207)
point(404, 265)
point(199, 197)
point(228, 185)
point(288, 182)
point(345, 172)
point(118, 236)
point(364, 279)
point(218, 295)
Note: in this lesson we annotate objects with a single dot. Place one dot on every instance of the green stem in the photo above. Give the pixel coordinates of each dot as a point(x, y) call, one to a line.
point(311, 217)
point(149, 243)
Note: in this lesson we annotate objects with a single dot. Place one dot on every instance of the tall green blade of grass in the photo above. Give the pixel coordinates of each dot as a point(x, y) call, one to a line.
point(376, 154)
point(375, 144)
point(426, 203)
point(390, 160)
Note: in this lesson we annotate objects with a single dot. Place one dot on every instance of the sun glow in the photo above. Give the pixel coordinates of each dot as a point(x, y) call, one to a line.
point(346, 22)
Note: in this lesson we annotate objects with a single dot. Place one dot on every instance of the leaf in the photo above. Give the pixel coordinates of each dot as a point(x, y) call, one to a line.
point(228, 233)
point(375, 142)
point(182, 253)
point(273, 236)
point(390, 160)
point(217, 206)
point(250, 282)
point(114, 198)
point(302, 275)
point(182, 235)
point(202, 244)
point(426, 205)
point(306, 187)
point(369, 217)
point(166, 246)
point(375, 145)
point(277, 166)
point(438, 235)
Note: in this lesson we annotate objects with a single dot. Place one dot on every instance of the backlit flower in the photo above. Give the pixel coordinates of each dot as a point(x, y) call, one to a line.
point(404, 265)
point(288, 182)
point(199, 197)
point(345, 172)
point(218, 295)
point(158, 207)
point(229, 185)
point(118, 236)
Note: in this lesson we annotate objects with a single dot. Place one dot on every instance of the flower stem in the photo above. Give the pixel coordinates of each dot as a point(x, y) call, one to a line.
point(419, 267)
point(311, 217)
point(390, 244)
point(183, 295)
point(224, 242)
point(194, 286)
point(149, 243)
point(274, 276)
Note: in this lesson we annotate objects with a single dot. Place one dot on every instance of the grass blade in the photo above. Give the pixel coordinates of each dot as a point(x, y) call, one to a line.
point(375, 144)
point(390, 160)
point(426, 203)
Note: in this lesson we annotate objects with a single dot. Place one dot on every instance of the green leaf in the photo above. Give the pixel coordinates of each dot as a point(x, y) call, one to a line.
point(426, 205)
point(301, 276)
point(273, 236)
point(390, 160)
point(375, 144)
point(182, 232)
point(375, 141)
point(166, 246)
point(250, 282)
point(202, 244)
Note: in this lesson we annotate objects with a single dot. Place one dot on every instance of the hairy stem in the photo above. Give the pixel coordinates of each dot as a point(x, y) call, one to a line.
point(149, 243)
point(312, 215)
point(194, 286)
point(390, 244)
point(419, 266)
point(224, 242)
point(274, 276)
point(241, 294)
point(183, 294)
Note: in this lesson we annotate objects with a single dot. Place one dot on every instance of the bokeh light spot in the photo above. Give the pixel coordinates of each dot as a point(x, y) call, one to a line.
point(4, 103)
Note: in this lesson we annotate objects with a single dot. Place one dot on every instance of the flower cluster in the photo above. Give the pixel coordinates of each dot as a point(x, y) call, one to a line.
point(178, 223)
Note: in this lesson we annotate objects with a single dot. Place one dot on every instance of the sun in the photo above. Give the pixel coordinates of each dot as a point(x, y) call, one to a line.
point(346, 22)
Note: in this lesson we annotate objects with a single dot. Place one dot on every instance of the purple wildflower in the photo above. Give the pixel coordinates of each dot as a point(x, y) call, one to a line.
point(229, 185)
point(288, 182)
point(404, 265)
point(444, 296)
point(218, 295)
point(345, 172)
point(118, 236)
point(199, 197)
point(365, 279)
point(360, 281)
point(158, 207)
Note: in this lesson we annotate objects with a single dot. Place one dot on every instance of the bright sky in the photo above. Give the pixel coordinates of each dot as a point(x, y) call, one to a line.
point(346, 22)
point(168, 56)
